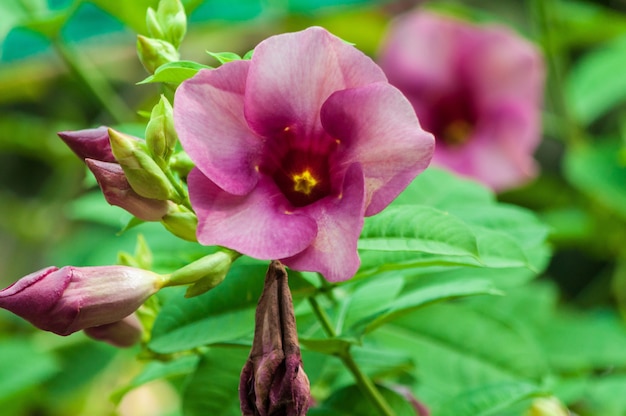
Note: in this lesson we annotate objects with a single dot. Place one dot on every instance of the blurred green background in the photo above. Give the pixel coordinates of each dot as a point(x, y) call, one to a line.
point(68, 65)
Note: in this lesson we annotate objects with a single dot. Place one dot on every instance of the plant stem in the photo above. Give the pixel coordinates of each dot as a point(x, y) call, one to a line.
point(97, 85)
point(365, 384)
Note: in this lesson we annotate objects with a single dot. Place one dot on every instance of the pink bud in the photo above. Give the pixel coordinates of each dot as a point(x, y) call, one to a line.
point(89, 143)
point(117, 191)
point(124, 333)
point(69, 299)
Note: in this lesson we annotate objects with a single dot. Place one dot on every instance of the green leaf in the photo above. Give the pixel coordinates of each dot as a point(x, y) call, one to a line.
point(402, 233)
point(224, 314)
point(224, 57)
point(22, 367)
point(131, 13)
point(426, 291)
point(457, 347)
point(487, 400)
point(596, 84)
point(156, 370)
point(213, 388)
point(175, 72)
point(349, 401)
point(576, 342)
point(599, 171)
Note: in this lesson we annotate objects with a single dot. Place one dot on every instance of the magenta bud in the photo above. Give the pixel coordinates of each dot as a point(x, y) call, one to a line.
point(123, 334)
point(70, 299)
point(89, 143)
point(272, 380)
point(117, 191)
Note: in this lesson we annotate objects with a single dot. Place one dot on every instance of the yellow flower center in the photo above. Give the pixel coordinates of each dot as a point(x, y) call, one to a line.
point(304, 182)
point(457, 132)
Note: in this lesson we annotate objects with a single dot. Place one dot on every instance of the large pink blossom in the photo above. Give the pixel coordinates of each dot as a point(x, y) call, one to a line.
point(478, 89)
point(294, 147)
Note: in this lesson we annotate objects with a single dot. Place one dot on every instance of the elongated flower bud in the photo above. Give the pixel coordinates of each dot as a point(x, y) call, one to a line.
point(117, 191)
point(161, 136)
point(124, 333)
point(168, 22)
point(142, 172)
point(272, 380)
point(70, 299)
point(89, 143)
point(155, 52)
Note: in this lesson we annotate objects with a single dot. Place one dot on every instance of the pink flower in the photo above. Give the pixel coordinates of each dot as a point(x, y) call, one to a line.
point(478, 89)
point(294, 147)
point(70, 299)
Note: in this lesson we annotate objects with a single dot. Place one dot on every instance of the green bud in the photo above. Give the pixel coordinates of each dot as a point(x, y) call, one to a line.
point(143, 174)
point(207, 272)
point(155, 52)
point(547, 406)
point(161, 136)
point(154, 26)
point(182, 164)
point(181, 222)
point(172, 20)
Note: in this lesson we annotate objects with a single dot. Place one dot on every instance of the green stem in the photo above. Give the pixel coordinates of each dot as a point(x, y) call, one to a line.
point(544, 17)
point(180, 189)
point(97, 85)
point(365, 384)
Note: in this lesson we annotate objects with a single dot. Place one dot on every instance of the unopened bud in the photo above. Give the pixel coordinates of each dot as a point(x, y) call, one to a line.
point(547, 406)
point(181, 222)
point(161, 136)
point(124, 333)
point(70, 299)
point(204, 273)
point(272, 380)
point(142, 172)
point(155, 52)
point(168, 23)
point(89, 143)
point(182, 164)
point(117, 191)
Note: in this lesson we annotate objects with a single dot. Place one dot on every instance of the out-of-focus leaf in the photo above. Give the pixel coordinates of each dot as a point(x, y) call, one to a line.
point(330, 346)
point(576, 343)
point(596, 83)
point(212, 389)
point(488, 400)
point(224, 314)
point(599, 171)
point(349, 401)
point(23, 366)
point(131, 13)
point(174, 72)
point(155, 370)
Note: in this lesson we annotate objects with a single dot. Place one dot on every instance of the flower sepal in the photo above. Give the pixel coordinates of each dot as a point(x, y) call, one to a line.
point(143, 174)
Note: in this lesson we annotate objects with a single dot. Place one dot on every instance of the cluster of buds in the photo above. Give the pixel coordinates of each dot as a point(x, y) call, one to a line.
point(166, 26)
point(136, 174)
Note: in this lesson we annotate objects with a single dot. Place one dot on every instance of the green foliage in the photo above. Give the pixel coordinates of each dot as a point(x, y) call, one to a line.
point(174, 72)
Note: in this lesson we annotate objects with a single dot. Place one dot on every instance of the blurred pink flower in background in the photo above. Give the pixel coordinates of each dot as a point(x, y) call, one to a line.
point(294, 147)
point(478, 89)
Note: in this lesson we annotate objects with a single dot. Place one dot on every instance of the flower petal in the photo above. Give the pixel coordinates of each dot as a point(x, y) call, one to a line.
point(257, 224)
point(208, 115)
point(293, 74)
point(377, 127)
point(333, 252)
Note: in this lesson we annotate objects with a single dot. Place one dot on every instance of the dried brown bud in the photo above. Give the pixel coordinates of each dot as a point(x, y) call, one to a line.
point(272, 381)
